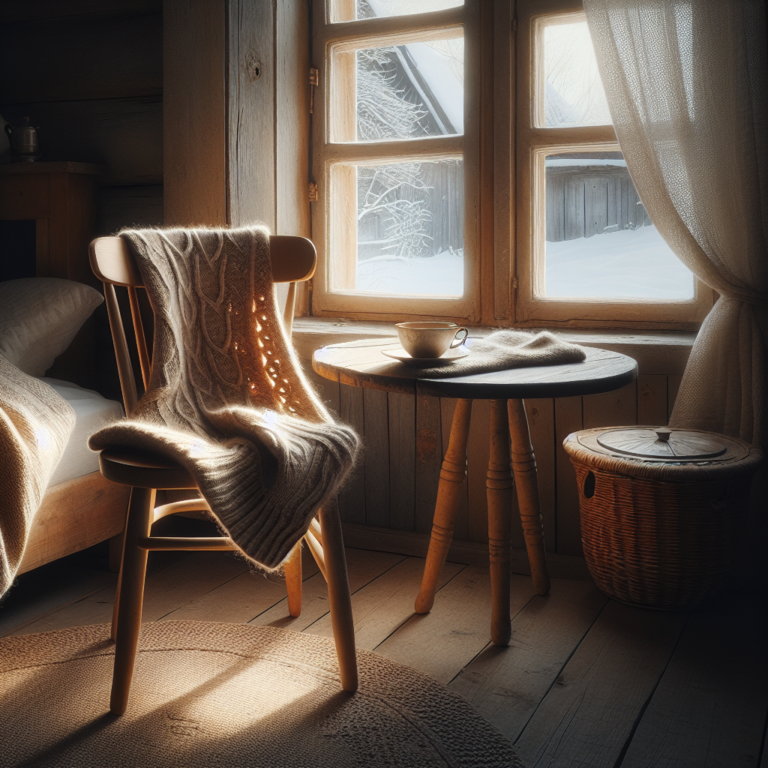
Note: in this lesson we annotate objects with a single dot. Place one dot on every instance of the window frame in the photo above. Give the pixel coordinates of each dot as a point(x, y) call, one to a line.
point(532, 143)
point(327, 301)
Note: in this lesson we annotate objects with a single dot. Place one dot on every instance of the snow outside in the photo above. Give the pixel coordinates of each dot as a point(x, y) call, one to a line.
point(599, 243)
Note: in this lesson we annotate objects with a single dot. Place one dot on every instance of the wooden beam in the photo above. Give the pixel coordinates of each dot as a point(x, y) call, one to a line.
point(194, 112)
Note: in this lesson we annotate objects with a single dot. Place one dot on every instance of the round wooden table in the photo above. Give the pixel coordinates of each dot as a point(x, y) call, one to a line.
point(362, 364)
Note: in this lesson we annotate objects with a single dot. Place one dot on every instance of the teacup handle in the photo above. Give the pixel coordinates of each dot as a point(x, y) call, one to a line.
point(458, 342)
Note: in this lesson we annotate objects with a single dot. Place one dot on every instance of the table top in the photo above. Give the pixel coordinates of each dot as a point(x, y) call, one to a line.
point(362, 364)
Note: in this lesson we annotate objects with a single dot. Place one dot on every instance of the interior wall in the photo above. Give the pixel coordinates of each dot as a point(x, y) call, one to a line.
point(236, 113)
point(88, 73)
point(394, 485)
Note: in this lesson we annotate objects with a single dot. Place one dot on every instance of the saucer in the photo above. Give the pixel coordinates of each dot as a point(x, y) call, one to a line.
point(451, 356)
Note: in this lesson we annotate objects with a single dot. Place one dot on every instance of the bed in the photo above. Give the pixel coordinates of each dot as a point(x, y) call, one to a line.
point(39, 318)
point(80, 508)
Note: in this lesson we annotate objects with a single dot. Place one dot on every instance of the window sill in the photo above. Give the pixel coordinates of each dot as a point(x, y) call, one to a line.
point(656, 352)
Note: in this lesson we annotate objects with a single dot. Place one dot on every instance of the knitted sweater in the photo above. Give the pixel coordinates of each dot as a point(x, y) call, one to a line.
point(227, 398)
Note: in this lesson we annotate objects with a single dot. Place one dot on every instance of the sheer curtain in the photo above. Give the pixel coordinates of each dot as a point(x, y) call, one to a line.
point(687, 86)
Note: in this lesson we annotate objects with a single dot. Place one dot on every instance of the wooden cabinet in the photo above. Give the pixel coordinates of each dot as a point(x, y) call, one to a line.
point(60, 199)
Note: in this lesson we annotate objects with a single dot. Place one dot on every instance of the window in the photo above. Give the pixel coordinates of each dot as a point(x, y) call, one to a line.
point(467, 168)
point(587, 250)
point(394, 149)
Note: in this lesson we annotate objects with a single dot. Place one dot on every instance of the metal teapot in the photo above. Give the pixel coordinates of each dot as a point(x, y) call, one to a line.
point(24, 145)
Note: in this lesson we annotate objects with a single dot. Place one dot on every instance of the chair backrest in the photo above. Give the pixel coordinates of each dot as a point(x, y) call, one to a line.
point(293, 260)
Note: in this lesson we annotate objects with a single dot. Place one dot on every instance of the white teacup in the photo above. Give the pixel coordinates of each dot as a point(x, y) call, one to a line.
point(428, 339)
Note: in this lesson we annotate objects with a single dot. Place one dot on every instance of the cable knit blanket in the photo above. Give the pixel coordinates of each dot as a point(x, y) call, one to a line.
point(35, 425)
point(504, 350)
point(227, 398)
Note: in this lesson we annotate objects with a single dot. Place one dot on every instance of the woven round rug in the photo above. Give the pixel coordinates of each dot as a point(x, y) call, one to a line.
point(225, 695)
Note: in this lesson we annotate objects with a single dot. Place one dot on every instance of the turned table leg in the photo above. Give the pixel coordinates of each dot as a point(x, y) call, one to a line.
point(452, 476)
point(500, 487)
point(524, 469)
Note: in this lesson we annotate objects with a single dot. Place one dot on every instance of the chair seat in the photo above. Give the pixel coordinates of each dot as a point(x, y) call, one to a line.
point(143, 470)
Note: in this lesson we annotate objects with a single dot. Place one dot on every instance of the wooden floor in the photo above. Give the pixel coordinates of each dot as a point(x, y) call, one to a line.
point(586, 682)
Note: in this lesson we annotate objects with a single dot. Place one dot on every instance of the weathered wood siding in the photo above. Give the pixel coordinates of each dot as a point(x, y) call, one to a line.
point(582, 202)
point(395, 483)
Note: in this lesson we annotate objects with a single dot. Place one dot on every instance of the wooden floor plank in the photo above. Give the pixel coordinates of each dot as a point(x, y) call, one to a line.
point(239, 599)
point(165, 590)
point(506, 684)
point(362, 568)
point(587, 716)
point(709, 710)
point(47, 590)
point(458, 627)
point(386, 603)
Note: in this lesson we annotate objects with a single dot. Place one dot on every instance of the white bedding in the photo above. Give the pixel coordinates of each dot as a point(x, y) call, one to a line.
point(92, 412)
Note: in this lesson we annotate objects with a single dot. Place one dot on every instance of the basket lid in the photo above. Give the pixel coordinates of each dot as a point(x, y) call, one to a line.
point(663, 443)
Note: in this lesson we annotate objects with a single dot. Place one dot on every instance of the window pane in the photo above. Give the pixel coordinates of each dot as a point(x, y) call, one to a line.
point(600, 242)
point(570, 90)
point(349, 10)
point(401, 92)
point(410, 228)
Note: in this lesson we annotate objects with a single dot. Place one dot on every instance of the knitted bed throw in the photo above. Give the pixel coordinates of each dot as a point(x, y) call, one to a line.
point(35, 425)
point(227, 398)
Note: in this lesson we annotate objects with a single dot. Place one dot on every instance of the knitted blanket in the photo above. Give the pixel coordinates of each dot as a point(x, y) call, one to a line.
point(227, 398)
point(35, 425)
point(500, 351)
point(507, 349)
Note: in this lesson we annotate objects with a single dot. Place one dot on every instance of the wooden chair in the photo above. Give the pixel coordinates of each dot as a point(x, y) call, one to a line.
point(293, 259)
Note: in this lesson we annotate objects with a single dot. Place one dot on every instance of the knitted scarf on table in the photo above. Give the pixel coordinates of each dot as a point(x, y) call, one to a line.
point(227, 398)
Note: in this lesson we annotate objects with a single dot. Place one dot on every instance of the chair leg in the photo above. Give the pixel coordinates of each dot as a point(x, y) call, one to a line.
point(131, 595)
point(293, 581)
point(116, 553)
point(112, 553)
point(338, 595)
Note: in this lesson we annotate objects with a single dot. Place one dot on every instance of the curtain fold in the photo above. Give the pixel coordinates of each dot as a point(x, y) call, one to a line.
point(687, 86)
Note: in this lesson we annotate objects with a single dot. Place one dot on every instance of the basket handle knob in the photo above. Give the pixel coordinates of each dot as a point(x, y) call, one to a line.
point(662, 434)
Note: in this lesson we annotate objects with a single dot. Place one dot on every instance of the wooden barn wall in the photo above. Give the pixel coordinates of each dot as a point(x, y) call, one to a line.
point(395, 484)
point(585, 203)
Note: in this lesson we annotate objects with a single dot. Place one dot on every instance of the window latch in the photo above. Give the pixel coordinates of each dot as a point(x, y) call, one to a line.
point(313, 193)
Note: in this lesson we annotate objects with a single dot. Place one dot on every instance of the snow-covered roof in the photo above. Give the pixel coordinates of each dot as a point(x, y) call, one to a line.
point(557, 111)
point(441, 80)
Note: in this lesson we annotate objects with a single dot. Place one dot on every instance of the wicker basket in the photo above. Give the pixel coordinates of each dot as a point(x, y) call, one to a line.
point(661, 532)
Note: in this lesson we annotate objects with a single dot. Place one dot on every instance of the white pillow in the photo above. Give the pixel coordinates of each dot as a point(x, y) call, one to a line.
point(39, 317)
